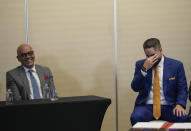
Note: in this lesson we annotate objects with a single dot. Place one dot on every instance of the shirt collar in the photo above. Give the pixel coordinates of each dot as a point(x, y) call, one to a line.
point(161, 62)
point(27, 69)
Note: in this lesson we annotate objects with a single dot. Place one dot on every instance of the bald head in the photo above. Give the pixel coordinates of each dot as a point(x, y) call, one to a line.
point(22, 47)
point(25, 55)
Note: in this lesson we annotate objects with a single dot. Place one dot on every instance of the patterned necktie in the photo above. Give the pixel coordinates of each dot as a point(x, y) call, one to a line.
point(156, 96)
point(36, 93)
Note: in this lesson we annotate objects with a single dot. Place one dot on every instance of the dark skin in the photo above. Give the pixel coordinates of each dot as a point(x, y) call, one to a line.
point(152, 57)
point(25, 55)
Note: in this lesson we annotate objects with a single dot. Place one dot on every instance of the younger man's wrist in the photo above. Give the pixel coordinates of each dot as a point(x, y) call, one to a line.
point(144, 69)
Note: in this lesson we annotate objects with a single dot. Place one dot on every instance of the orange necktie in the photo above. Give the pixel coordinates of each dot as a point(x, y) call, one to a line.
point(156, 96)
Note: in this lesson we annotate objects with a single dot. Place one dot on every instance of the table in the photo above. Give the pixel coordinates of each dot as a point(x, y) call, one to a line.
point(161, 126)
point(78, 113)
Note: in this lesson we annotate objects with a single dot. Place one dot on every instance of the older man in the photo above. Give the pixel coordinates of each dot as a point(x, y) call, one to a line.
point(28, 81)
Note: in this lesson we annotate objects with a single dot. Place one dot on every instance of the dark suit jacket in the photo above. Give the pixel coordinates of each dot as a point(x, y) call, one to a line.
point(174, 82)
point(17, 81)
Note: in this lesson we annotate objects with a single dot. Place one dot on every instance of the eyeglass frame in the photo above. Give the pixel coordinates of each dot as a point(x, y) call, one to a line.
point(30, 53)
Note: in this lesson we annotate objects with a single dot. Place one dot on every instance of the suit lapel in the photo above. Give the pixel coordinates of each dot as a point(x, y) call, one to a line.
point(150, 76)
point(41, 76)
point(149, 80)
point(24, 81)
point(166, 69)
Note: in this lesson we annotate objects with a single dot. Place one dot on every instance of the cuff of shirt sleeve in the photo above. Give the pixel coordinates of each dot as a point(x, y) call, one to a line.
point(143, 73)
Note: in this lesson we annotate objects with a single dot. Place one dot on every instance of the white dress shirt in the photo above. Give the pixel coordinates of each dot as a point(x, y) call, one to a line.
point(150, 97)
point(30, 84)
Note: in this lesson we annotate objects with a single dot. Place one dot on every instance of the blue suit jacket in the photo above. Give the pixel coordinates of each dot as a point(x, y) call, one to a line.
point(174, 82)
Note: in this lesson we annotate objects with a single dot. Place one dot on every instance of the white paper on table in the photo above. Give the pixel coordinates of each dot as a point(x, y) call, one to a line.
point(186, 125)
point(151, 124)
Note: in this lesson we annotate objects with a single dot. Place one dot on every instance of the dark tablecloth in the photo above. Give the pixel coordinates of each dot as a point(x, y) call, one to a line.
point(79, 113)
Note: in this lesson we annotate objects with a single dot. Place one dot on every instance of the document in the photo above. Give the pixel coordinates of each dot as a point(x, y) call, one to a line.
point(162, 125)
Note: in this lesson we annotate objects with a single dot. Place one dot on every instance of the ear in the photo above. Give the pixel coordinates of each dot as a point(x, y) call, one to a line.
point(160, 49)
point(18, 59)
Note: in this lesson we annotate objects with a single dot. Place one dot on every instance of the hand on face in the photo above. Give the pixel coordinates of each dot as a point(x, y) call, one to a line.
point(153, 58)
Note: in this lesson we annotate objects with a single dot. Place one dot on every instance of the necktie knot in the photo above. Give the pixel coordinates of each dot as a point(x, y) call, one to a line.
point(156, 69)
point(30, 71)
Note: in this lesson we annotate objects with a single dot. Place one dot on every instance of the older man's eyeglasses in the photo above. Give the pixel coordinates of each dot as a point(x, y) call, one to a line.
point(30, 53)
